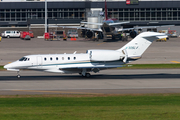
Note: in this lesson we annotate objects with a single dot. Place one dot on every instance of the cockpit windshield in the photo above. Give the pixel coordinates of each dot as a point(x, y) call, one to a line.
point(24, 59)
point(111, 21)
point(108, 21)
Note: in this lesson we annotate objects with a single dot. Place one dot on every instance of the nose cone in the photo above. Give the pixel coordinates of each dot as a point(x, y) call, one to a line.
point(11, 67)
point(6, 66)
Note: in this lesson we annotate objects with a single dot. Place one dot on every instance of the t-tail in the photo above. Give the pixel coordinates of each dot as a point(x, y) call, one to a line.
point(136, 47)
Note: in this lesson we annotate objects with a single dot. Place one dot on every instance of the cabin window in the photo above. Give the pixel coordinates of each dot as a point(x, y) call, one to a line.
point(56, 58)
point(62, 58)
point(51, 58)
point(68, 58)
point(45, 59)
point(74, 58)
point(28, 59)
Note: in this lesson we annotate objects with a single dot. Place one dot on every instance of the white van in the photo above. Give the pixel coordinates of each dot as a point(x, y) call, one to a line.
point(10, 33)
point(72, 33)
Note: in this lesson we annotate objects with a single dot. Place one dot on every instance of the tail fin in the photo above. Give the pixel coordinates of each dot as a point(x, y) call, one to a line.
point(136, 47)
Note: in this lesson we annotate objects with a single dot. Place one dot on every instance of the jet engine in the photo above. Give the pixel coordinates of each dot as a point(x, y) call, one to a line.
point(89, 34)
point(133, 34)
point(107, 55)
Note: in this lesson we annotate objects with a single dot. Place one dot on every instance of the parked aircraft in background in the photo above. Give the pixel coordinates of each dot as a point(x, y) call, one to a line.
point(109, 27)
point(92, 61)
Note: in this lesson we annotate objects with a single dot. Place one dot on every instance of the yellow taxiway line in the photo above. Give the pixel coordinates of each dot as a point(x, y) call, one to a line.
point(101, 43)
point(175, 61)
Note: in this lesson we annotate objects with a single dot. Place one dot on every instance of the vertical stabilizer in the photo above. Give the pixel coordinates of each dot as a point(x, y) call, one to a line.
point(137, 46)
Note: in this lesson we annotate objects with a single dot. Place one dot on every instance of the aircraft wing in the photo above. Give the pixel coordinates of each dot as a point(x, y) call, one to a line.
point(111, 24)
point(91, 29)
point(71, 69)
point(153, 26)
point(90, 67)
point(119, 23)
point(57, 26)
point(124, 29)
point(92, 23)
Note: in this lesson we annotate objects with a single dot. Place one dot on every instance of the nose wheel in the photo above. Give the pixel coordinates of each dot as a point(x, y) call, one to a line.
point(18, 75)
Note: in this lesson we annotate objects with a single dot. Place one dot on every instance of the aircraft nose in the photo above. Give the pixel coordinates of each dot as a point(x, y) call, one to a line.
point(6, 66)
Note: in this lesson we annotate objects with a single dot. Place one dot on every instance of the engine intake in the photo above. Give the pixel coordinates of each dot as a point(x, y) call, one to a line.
point(89, 34)
point(133, 34)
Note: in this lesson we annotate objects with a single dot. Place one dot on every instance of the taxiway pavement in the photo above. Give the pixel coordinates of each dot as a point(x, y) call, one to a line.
point(14, 48)
point(106, 82)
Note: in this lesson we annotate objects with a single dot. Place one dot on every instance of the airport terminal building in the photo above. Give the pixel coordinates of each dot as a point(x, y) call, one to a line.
point(23, 13)
point(138, 12)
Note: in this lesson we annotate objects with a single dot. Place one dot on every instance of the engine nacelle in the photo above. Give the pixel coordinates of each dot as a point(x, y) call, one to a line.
point(133, 34)
point(89, 34)
point(104, 55)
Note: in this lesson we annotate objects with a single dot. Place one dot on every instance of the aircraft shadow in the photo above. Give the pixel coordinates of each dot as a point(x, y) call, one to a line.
point(110, 40)
point(93, 77)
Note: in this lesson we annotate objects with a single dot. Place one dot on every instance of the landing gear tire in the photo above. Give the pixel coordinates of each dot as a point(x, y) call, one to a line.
point(18, 76)
point(87, 75)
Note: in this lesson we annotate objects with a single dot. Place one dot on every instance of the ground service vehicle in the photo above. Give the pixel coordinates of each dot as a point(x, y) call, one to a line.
point(25, 35)
point(172, 33)
point(10, 33)
point(55, 35)
point(72, 33)
point(31, 34)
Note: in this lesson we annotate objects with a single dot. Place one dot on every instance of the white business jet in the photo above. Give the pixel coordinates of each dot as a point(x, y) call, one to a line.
point(91, 61)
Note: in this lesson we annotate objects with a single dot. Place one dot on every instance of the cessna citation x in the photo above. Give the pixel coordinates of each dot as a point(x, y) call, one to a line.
point(91, 61)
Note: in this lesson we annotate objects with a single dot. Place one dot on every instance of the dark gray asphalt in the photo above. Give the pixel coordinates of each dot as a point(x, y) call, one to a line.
point(14, 48)
point(105, 82)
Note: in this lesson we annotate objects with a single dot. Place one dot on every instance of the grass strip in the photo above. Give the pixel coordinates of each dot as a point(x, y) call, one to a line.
point(123, 107)
point(150, 66)
point(2, 68)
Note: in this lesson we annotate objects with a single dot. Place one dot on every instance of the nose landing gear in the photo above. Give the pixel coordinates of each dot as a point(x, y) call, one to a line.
point(18, 75)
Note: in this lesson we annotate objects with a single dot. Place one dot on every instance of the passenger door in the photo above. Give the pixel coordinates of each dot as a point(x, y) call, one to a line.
point(39, 61)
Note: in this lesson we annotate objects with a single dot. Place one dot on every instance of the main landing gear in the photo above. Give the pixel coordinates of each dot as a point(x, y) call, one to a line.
point(85, 74)
point(18, 75)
